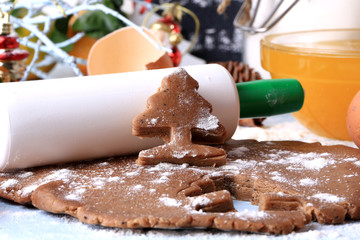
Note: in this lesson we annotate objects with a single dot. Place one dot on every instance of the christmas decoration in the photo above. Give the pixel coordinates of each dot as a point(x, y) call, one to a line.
point(12, 64)
point(168, 28)
point(34, 16)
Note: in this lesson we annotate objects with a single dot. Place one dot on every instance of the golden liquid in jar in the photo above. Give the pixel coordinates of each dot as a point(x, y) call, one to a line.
point(330, 78)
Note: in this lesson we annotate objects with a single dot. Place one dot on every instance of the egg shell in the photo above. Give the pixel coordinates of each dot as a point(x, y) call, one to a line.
point(353, 119)
point(125, 50)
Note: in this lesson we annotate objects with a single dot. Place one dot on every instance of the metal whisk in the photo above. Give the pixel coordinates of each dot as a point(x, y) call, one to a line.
point(246, 17)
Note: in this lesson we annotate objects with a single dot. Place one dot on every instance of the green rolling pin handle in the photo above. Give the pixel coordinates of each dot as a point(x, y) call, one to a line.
point(264, 98)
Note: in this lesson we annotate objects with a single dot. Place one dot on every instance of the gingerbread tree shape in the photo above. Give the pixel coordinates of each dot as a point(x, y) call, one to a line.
point(179, 115)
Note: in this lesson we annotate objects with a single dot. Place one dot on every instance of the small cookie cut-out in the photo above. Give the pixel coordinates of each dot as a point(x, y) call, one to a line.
point(180, 116)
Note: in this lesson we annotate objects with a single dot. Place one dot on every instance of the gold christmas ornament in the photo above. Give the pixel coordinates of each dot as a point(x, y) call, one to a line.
point(175, 38)
point(5, 24)
point(175, 11)
point(168, 29)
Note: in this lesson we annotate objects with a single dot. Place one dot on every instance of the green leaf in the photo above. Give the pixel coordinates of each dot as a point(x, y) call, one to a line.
point(109, 4)
point(61, 24)
point(56, 36)
point(96, 34)
point(97, 24)
point(19, 12)
point(118, 3)
point(114, 4)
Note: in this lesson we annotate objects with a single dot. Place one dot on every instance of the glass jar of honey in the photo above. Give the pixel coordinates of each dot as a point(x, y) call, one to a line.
point(327, 64)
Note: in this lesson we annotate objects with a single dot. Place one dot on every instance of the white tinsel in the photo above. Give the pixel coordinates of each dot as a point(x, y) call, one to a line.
point(58, 9)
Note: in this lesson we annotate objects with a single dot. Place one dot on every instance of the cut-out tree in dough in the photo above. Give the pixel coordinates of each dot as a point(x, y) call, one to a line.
point(181, 117)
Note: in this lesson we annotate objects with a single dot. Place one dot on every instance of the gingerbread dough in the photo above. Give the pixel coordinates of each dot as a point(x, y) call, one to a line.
point(293, 182)
point(179, 115)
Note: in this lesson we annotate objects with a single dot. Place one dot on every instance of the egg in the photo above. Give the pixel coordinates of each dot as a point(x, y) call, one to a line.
point(126, 50)
point(353, 119)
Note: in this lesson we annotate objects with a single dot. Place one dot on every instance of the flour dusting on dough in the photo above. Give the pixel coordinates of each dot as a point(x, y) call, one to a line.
point(308, 182)
point(329, 197)
point(201, 200)
point(239, 151)
point(300, 161)
point(8, 183)
point(170, 202)
point(209, 122)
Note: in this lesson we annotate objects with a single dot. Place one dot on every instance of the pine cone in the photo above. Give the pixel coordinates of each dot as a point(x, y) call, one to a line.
point(240, 72)
point(243, 73)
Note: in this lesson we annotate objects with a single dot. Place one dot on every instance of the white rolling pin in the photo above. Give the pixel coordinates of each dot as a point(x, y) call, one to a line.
point(71, 119)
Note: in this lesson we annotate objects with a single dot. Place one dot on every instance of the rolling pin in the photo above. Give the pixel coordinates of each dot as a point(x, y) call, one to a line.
point(71, 119)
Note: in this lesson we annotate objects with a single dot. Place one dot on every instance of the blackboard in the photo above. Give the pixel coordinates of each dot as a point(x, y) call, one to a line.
point(218, 40)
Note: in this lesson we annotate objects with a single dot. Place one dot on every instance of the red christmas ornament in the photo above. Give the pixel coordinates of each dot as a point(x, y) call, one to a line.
point(175, 56)
point(7, 41)
point(13, 54)
point(12, 64)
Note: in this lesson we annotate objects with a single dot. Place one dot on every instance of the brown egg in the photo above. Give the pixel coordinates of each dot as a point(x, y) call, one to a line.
point(353, 119)
point(125, 50)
